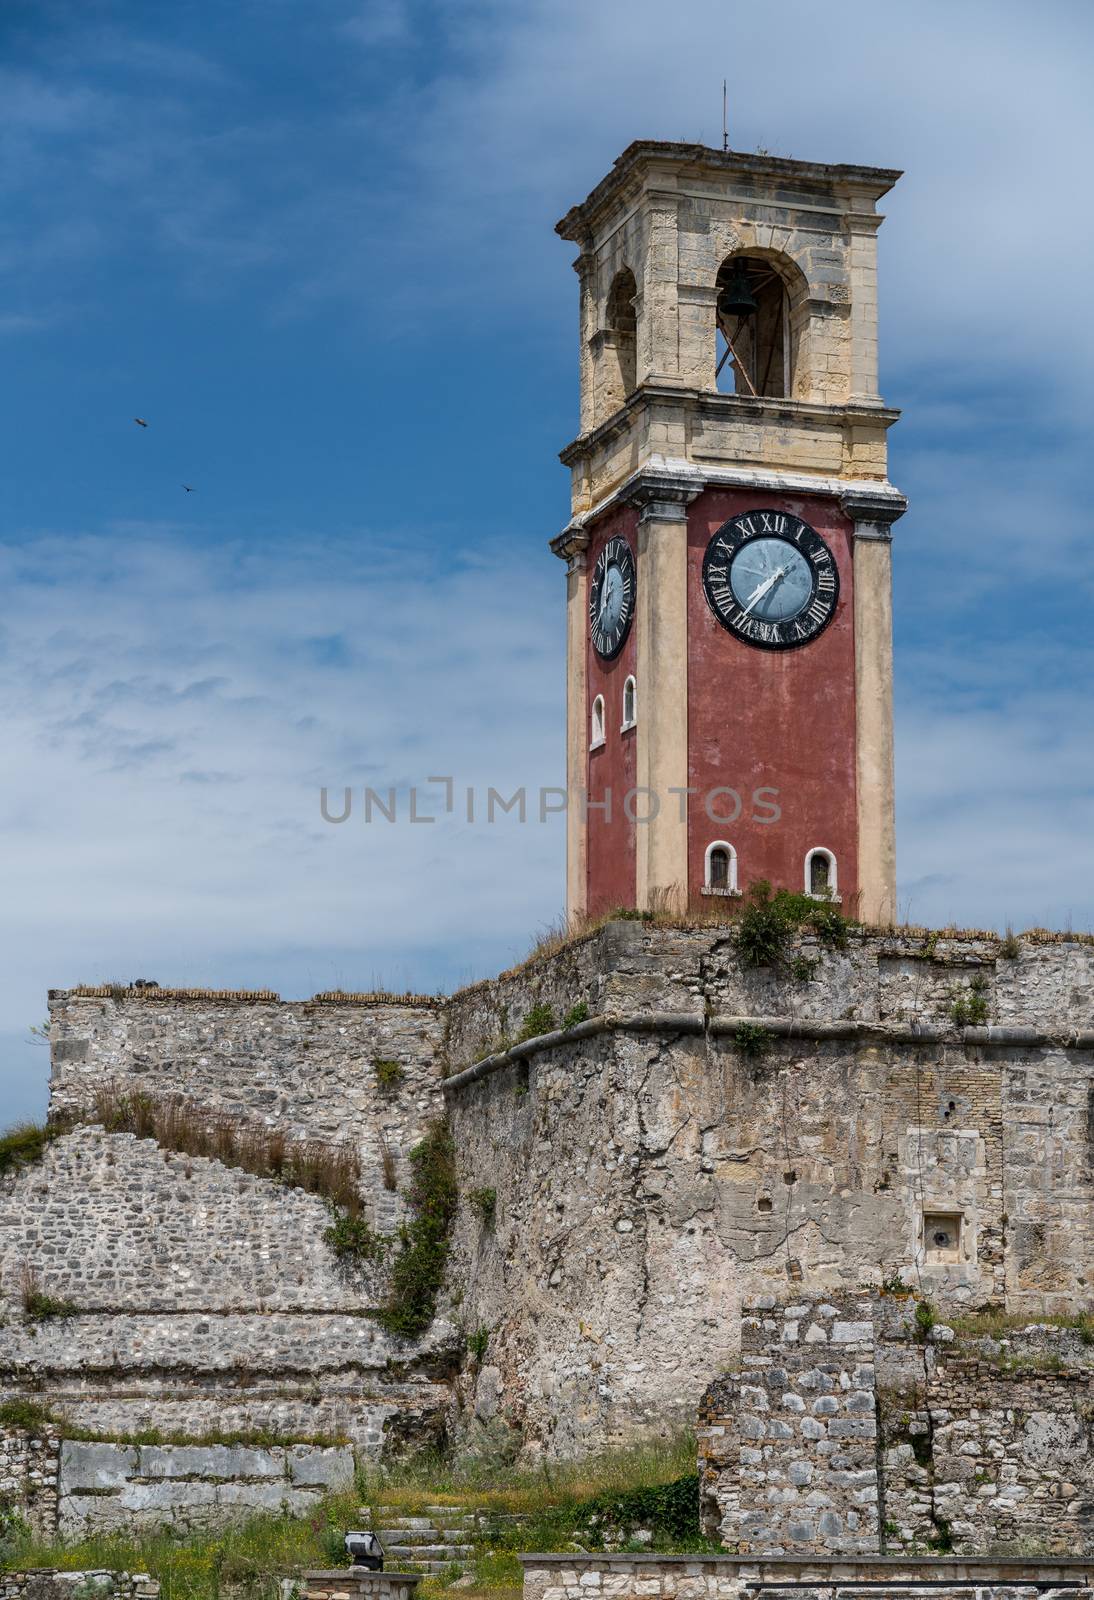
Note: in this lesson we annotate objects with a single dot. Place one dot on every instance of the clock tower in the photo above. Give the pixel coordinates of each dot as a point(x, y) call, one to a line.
point(729, 619)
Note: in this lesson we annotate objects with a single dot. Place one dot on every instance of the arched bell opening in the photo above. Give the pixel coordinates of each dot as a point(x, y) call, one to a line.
point(755, 342)
point(620, 332)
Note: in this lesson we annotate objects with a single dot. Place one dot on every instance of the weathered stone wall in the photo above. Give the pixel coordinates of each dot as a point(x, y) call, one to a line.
point(856, 1428)
point(28, 1477)
point(993, 1455)
point(307, 1067)
point(651, 1173)
point(202, 1298)
point(105, 1486)
point(787, 1446)
point(46, 1583)
point(115, 1223)
point(581, 1577)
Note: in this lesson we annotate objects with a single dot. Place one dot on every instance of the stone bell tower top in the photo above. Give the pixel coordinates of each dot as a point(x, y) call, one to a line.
point(798, 393)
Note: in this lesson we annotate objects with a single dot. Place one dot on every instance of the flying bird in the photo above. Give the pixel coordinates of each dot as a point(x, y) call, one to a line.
point(188, 487)
point(140, 422)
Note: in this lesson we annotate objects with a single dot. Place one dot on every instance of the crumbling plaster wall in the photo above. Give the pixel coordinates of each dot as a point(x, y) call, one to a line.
point(652, 1175)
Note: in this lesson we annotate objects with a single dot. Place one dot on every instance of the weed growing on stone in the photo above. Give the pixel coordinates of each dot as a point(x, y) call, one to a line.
point(353, 1241)
point(925, 1319)
point(24, 1144)
point(38, 1305)
point(537, 1019)
point(389, 1075)
point(485, 1202)
point(330, 1170)
point(576, 1014)
point(969, 1007)
point(26, 1415)
point(478, 1343)
point(752, 1041)
point(417, 1272)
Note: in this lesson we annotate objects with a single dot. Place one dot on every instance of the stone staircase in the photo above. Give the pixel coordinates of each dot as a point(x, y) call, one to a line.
point(434, 1539)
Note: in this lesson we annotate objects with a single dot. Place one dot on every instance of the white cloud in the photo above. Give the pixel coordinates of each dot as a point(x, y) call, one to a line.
point(170, 718)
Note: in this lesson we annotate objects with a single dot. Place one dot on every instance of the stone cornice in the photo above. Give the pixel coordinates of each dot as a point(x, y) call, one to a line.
point(648, 155)
point(872, 513)
point(661, 479)
point(791, 1028)
point(710, 402)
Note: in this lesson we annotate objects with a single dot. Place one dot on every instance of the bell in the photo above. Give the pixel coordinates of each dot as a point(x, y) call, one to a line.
point(737, 299)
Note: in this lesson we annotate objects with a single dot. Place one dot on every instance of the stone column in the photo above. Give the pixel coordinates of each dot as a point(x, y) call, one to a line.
point(873, 517)
point(661, 752)
point(571, 545)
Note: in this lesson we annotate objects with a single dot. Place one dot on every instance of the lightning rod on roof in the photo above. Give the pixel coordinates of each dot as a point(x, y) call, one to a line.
point(725, 124)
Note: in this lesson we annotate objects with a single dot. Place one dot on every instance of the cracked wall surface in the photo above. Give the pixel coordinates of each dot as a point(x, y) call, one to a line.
point(652, 1177)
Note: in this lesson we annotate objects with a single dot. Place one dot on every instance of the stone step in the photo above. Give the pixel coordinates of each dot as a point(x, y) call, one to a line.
point(407, 1536)
point(441, 1553)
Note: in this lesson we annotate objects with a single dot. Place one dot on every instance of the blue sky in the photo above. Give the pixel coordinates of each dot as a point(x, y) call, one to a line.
point(312, 244)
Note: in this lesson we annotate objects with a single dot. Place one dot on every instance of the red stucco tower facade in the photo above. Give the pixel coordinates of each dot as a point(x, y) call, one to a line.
point(729, 626)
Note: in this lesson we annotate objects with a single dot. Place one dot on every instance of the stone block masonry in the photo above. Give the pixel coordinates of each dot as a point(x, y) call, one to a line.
point(847, 1430)
point(116, 1487)
point(651, 1176)
point(46, 1583)
point(787, 1446)
point(585, 1577)
point(28, 1476)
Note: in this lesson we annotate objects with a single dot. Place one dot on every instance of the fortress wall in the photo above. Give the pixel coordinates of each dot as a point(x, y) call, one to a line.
point(116, 1224)
point(647, 1183)
point(199, 1299)
point(306, 1067)
point(1005, 1458)
point(898, 977)
point(848, 1429)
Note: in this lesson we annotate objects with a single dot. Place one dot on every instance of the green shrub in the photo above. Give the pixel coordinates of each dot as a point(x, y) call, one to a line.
point(417, 1273)
point(538, 1019)
point(389, 1075)
point(24, 1144)
point(770, 919)
point(668, 1510)
point(353, 1241)
point(485, 1202)
point(576, 1014)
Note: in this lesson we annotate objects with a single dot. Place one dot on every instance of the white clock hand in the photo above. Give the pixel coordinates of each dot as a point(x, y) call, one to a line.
point(759, 593)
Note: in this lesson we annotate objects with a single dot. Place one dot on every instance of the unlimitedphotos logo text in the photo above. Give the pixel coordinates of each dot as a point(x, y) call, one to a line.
point(722, 804)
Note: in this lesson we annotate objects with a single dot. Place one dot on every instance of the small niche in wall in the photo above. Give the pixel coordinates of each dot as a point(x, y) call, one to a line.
point(763, 1203)
point(942, 1235)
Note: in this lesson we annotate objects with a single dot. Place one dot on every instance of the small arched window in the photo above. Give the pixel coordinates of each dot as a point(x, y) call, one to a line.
point(630, 705)
point(596, 724)
point(720, 868)
point(820, 874)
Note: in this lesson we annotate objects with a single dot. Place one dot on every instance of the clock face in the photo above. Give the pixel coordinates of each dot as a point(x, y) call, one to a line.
point(611, 598)
point(770, 579)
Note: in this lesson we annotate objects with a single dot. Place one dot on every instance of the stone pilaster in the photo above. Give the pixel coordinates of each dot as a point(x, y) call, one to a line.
point(571, 545)
point(661, 623)
point(873, 517)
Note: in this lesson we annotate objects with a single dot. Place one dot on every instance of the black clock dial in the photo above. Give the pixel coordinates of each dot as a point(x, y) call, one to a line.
point(770, 579)
point(611, 598)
